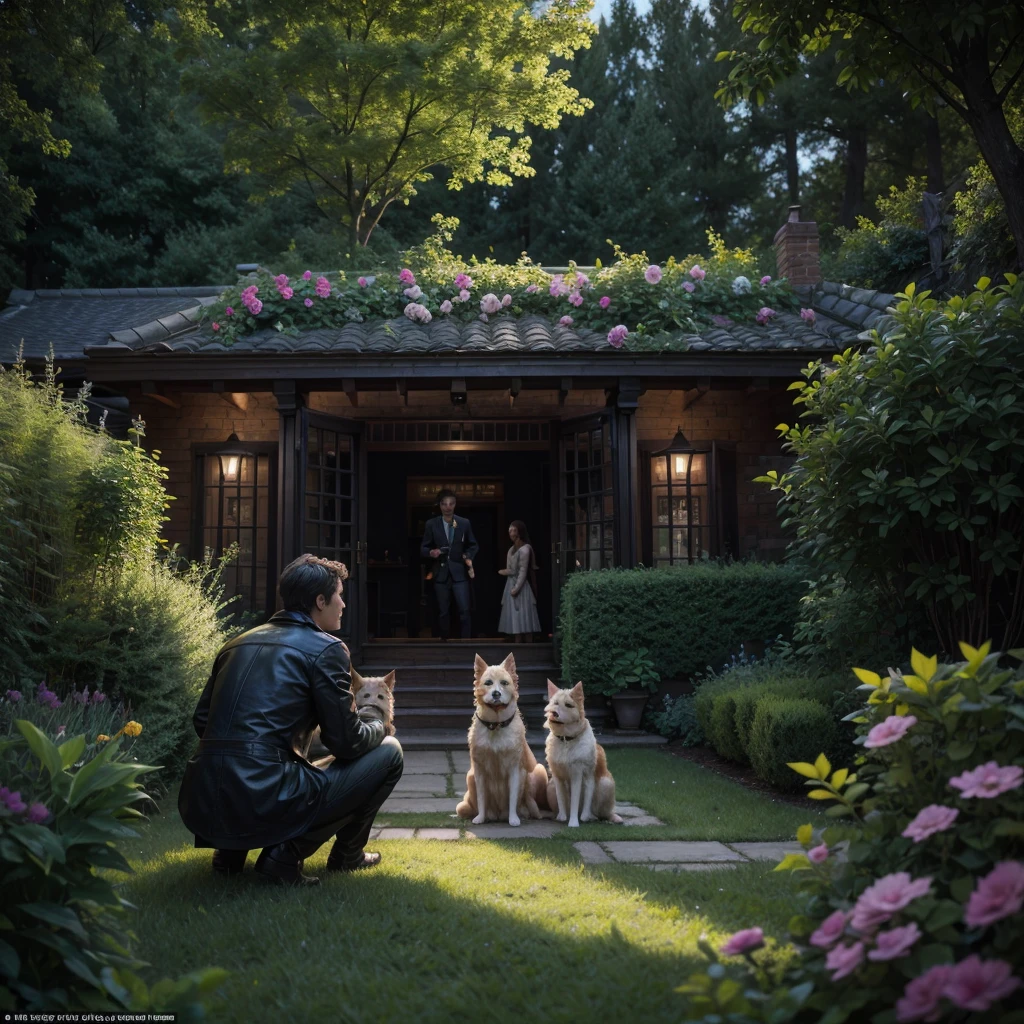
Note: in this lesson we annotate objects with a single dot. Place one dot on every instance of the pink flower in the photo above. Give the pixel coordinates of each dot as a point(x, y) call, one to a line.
point(406, 276)
point(531, 289)
point(999, 894)
point(988, 780)
point(413, 293)
point(976, 984)
point(604, 302)
point(830, 930)
point(215, 325)
point(463, 281)
point(420, 314)
point(652, 275)
point(764, 314)
point(766, 279)
point(255, 307)
point(281, 280)
point(14, 696)
point(362, 282)
point(287, 293)
point(307, 302)
point(617, 335)
point(890, 730)
point(446, 306)
point(12, 801)
point(464, 296)
point(307, 275)
point(844, 960)
point(745, 941)
point(931, 819)
point(323, 288)
point(894, 943)
point(229, 311)
point(689, 286)
point(490, 303)
point(576, 299)
point(37, 813)
point(921, 997)
point(566, 321)
point(697, 273)
point(808, 314)
point(878, 902)
point(818, 854)
point(506, 300)
point(98, 698)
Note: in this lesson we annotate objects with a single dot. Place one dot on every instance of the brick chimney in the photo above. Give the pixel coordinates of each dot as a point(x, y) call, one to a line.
point(796, 250)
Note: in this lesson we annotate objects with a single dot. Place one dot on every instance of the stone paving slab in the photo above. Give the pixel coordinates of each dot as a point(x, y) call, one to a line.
point(437, 833)
point(642, 819)
point(396, 833)
point(689, 867)
point(673, 851)
point(418, 804)
point(592, 853)
point(428, 784)
point(528, 830)
point(766, 851)
point(461, 759)
point(418, 762)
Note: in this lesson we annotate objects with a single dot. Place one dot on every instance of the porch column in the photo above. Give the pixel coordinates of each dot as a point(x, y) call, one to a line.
point(290, 405)
point(625, 399)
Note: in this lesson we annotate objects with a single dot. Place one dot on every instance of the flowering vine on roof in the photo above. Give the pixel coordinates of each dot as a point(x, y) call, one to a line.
point(634, 303)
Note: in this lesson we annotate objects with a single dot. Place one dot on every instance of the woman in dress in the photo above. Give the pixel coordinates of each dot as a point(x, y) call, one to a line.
point(519, 602)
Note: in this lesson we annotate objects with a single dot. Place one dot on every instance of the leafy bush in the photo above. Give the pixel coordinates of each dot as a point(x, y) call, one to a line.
point(920, 920)
point(689, 616)
point(65, 945)
point(630, 670)
point(677, 720)
point(787, 729)
point(908, 470)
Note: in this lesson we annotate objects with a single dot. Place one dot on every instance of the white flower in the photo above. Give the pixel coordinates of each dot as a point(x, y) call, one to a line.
point(741, 286)
point(420, 314)
point(414, 293)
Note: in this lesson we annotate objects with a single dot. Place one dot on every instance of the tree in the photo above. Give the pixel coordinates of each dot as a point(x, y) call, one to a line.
point(358, 100)
point(969, 56)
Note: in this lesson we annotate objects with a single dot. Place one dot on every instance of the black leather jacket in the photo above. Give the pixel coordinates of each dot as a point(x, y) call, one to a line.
point(249, 784)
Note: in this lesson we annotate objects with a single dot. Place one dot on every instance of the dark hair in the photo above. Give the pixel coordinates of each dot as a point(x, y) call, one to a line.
point(524, 536)
point(306, 577)
point(524, 533)
point(447, 492)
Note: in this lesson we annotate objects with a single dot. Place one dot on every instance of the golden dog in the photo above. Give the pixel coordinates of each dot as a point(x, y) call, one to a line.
point(377, 692)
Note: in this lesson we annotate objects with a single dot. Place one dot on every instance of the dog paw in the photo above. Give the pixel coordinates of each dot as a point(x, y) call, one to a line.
point(587, 817)
point(561, 817)
point(479, 819)
point(574, 823)
point(513, 820)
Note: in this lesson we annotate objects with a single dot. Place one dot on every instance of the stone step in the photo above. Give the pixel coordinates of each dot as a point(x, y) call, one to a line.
point(426, 695)
point(454, 738)
point(453, 652)
point(408, 676)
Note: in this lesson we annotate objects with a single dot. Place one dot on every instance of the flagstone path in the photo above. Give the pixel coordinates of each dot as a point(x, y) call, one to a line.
point(434, 781)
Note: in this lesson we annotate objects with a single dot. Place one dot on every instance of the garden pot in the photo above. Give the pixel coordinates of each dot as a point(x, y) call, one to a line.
point(629, 708)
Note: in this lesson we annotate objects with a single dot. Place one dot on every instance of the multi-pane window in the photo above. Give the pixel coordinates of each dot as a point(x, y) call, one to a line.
point(330, 495)
point(680, 507)
point(588, 499)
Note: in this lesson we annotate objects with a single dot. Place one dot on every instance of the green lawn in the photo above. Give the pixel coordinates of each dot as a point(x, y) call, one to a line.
point(471, 930)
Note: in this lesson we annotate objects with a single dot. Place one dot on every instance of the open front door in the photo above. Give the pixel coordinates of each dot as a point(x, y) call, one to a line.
point(583, 525)
point(333, 508)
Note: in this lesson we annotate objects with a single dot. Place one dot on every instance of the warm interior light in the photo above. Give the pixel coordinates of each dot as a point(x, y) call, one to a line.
point(229, 467)
point(682, 464)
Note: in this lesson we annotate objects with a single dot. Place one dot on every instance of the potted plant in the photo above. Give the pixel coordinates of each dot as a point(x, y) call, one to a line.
point(632, 678)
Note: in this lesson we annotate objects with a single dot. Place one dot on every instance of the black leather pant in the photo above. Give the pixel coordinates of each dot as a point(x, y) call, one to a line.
point(445, 591)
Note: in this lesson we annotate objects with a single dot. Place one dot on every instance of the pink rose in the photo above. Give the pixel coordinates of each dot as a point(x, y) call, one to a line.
point(446, 306)
point(463, 296)
point(228, 311)
point(976, 984)
point(506, 300)
point(878, 902)
point(215, 325)
point(37, 813)
point(766, 279)
point(818, 854)
point(764, 314)
point(697, 273)
point(406, 276)
point(420, 314)
point(617, 335)
point(844, 960)
point(921, 997)
point(890, 730)
point(307, 275)
point(689, 286)
point(604, 302)
point(307, 302)
point(287, 293)
point(894, 943)
point(281, 280)
point(931, 819)
point(830, 930)
point(745, 941)
point(463, 281)
point(323, 288)
point(988, 780)
point(490, 303)
point(999, 894)
point(362, 282)
point(566, 321)
point(256, 307)
point(808, 314)
point(413, 293)
point(576, 299)
point(652, 275)
point(532, 289)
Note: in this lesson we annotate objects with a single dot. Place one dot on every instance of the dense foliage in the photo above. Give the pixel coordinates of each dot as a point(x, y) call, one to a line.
point(912, 895)
point(689, 617)
point(907, 481)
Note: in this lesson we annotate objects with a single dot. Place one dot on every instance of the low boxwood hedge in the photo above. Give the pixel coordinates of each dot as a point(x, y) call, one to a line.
point(789, 729)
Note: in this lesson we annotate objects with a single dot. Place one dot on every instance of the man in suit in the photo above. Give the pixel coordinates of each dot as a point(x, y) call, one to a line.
point(449, 540)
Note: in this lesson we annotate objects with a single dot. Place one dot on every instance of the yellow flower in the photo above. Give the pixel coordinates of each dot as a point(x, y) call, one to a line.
point(103, 738)
point(132, 729)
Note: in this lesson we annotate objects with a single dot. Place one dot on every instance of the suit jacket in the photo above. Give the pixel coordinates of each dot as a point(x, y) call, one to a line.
point(249, 785)
point(463, 545)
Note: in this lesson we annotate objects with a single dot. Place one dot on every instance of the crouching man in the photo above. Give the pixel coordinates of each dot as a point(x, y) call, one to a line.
point(249, 784)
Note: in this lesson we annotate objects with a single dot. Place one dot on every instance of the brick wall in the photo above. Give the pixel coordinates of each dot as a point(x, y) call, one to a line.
point(797, 250)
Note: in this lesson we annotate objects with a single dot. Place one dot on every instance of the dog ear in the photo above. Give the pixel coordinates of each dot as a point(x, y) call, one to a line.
point(479, 668)
point(389, 680)
point(357, 681)
point(577, 692)
point(509, 665)
point(552, 689)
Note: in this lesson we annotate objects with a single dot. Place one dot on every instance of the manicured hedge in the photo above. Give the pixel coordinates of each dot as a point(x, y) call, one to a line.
point(688, 617)
point(789, 729)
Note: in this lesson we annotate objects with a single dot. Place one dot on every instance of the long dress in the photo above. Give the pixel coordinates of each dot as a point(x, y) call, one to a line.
point(519, 612)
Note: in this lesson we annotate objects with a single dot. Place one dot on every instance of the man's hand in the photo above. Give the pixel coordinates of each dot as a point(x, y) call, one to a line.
point(435, 552)
point(469, 565)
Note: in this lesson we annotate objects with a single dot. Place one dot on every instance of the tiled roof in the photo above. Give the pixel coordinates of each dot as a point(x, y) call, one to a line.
point(858, 309)
point(71, 320)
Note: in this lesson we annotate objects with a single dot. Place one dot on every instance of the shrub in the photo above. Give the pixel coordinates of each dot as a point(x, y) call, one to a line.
point(678, 720)
point(907, 478)
point(921, 918)
point(689, 617)
point(786, 729)
point(723, 725)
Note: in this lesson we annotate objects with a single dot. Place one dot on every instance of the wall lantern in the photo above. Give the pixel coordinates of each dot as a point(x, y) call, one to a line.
point(231, 460)
point(680, 503)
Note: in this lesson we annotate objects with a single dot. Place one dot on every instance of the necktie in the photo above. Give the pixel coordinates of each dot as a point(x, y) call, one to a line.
point(448, 532)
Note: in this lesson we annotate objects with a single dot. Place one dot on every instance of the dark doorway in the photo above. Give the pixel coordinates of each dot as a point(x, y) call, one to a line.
point(400, 602)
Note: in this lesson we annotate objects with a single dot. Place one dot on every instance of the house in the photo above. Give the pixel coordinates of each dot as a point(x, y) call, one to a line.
point(337, 442)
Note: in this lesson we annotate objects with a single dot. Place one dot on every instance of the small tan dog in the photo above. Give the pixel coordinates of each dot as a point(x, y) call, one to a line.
point(578, 766)
point(377, 692)
point(504, 777)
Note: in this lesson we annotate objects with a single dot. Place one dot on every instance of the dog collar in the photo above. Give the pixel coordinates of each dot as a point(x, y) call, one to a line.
point(567, 739)
point(496, 725)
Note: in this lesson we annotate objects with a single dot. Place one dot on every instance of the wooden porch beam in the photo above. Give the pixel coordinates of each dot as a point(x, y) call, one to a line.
point(403, 389)
point(348, 385)
point(151, 390)
point(515, 386)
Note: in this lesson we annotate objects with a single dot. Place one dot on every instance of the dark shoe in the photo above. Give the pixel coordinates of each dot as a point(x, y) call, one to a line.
point(364, 860)
point(281, 865)
point(229, 862)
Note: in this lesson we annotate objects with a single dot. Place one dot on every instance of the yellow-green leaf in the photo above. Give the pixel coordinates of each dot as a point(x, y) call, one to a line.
point(915, 684)
point(902, 709)
point(804, 834)
point(975, 656)
point(803, 768)
point(822, 766)
point(868, 677)
point(924, 667)
point(821, 794)
point(909, 290)
point(793, 862)
point(983, 283)
point(840, 778)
